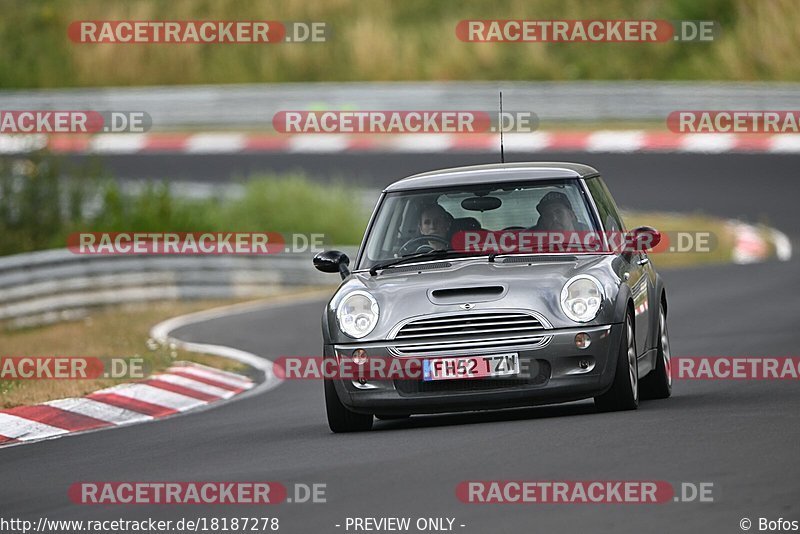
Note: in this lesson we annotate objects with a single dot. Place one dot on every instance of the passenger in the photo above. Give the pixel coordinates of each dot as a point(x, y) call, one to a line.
point(556, 214)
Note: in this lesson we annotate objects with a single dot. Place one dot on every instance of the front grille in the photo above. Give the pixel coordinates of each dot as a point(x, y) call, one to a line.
point(469, 331)
point(414, 387)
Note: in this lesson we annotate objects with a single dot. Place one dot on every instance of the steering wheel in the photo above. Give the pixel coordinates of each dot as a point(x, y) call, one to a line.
point(421, 242)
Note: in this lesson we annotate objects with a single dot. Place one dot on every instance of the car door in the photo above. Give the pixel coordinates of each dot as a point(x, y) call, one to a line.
point(637, 266)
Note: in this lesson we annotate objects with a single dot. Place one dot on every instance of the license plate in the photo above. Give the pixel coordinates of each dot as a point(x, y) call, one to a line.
point(470, 367)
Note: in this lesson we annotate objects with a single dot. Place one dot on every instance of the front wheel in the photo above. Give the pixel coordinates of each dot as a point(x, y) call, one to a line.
point(658, 383)
point(624, 391)
point(340, 418)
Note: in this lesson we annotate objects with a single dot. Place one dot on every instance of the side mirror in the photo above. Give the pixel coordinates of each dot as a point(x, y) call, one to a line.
point(332, 261)
point(642, 239)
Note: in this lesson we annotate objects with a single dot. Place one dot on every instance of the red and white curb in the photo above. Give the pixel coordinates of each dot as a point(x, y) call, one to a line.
point(609, 141)
point(182, 387)
point(751, 247)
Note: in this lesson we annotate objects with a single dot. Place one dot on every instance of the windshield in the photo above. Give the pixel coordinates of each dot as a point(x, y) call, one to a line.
point(413, 222)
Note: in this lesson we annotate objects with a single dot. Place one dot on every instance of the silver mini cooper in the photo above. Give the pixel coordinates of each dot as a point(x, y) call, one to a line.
point(506, 285)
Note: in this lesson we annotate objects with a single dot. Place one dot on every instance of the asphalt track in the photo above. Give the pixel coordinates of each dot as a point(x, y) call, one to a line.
point(740, 436)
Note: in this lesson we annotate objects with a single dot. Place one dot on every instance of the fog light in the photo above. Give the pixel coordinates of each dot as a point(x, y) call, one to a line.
point(582, 340)
point(584, 364)
point(359, 356)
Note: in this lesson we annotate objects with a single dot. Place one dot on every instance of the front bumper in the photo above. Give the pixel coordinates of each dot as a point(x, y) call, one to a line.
point(556, 372)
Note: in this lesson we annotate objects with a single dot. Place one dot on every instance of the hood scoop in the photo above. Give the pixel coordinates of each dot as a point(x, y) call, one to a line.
point(459, 295)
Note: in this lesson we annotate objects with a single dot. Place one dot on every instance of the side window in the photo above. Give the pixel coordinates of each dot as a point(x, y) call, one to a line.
point(609, 214)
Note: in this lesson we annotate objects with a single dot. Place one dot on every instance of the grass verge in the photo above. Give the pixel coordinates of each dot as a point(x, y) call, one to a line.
point(387, 40)
point(42, 202)
point(119, 332)
point(685, 229)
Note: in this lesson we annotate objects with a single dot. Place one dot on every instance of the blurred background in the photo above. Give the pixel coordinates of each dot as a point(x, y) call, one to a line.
point(212, 161)
point(394, 41)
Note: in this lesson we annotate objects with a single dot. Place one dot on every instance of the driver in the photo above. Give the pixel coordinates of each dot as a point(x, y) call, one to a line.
point(434, 223)
point(434, 220)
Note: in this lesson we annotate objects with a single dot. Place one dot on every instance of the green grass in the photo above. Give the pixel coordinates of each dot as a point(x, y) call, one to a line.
point(274, 203)
point(721, 242)
point(393, 40)
point(40, 208)
point(118, 332)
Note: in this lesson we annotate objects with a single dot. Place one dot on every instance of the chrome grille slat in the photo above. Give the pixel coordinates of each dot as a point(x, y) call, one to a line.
point(469, 342)
point(411, 332)
point(475, 331)
point(472, 317)
point(513, 324)
point(469, 331)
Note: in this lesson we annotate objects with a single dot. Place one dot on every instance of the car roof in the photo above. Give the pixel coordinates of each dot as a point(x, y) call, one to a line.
point(493, 173)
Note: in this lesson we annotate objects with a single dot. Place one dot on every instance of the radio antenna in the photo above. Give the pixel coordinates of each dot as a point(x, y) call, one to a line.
point(500, 125)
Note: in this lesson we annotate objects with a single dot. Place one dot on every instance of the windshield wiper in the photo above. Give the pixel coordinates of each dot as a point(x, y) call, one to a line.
point(433, 254)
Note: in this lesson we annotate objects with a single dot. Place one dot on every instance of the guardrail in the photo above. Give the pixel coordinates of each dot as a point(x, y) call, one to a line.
point(253, 105)
point(49, 286)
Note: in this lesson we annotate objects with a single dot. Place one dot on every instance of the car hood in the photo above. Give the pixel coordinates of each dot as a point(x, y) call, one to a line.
point(512, 282)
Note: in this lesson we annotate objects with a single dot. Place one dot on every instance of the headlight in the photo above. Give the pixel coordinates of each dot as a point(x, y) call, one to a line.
point(357, 314)
point(581, 298)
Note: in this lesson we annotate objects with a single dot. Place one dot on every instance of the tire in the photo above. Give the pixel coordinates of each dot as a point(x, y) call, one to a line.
point(384, 417)
point(658, 382)
point(624, 391)
point(340, 419)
